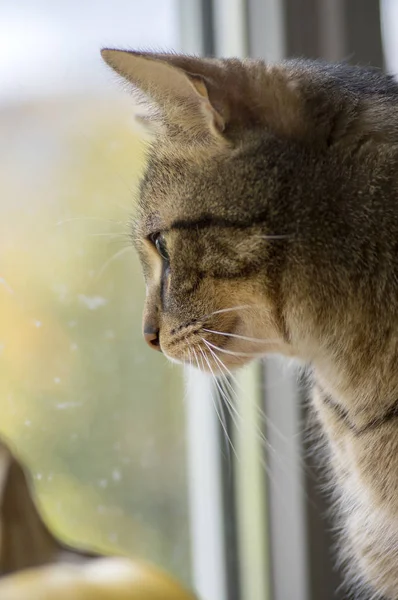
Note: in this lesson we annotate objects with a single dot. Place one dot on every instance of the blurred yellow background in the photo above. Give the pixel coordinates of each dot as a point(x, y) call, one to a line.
point(79, 397)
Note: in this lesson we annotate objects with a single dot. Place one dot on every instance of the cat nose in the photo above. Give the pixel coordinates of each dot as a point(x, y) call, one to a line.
point(151, 337)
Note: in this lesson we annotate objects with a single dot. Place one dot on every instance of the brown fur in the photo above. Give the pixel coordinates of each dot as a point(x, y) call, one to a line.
point(275, 190)
point(25, 540)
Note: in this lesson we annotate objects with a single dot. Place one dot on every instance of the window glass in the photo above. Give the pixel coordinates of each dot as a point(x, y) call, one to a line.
point(98, 417)
point(389, 16)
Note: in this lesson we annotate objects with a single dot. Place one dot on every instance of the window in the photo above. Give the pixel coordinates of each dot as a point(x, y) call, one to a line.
point(126, 449)
point(99, 419)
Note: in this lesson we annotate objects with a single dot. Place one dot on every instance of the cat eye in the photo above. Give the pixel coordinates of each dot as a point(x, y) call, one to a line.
point(159, 242)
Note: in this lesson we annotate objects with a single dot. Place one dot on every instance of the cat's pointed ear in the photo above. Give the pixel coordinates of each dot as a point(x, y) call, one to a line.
point(180, 93)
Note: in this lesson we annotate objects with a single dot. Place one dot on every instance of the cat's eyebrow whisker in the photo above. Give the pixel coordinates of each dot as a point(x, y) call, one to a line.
point(241, 337)
point(111, 259)
point(121, 234)
point(84, 218)
point(232, 353)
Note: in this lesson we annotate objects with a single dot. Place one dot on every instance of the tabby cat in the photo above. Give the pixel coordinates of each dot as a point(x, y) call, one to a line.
point(268, 222)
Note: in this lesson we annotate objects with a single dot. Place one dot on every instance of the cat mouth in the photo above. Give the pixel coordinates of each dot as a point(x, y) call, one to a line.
point(214, 349)
point(221, 358)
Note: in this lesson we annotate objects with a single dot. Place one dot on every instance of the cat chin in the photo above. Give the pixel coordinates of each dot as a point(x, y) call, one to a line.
point(173, 359)
point(215, 369)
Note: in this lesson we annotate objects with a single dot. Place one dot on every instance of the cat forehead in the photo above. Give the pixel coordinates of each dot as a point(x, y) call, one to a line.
point(223, 188)
point(172, 180)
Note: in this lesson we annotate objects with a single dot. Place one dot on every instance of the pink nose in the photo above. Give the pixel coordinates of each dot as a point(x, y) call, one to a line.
point(151, 337)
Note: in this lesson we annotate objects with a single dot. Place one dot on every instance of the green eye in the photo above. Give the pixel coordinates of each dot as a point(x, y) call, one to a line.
point(161, 246)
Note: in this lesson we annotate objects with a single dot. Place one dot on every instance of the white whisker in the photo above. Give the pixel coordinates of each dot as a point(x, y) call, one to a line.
point(223, 422)
point(232, 353)
point(233, 391)
point(262, 415)
point(225, 310)
point(242, 337)
point(189, 357)
point(111, 259)
point(263, 462)
point(117, 234)
point(84, 218)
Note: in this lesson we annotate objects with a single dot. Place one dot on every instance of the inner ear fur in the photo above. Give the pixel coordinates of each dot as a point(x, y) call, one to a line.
point(181, 95)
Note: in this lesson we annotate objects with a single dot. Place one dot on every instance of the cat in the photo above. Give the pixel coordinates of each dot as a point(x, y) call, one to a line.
point(267, 222)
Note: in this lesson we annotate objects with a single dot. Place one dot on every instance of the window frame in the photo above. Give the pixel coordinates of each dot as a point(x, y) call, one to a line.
point(297, 530)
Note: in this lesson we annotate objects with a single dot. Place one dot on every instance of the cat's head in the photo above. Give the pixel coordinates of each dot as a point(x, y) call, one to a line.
point(210, 248)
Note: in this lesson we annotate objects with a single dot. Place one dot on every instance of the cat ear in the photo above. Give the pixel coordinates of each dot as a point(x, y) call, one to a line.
point(181, 94)
point(200, 99)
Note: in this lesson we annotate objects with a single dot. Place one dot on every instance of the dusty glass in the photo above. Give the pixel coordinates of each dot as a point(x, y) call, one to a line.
point(98, 417)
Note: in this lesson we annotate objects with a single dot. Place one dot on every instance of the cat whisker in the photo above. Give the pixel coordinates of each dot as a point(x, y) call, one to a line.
point(265, 444)
point(84, 218)
point(118, 234)
point(224, 380)
point(241, 337)
point(261, 413)
point(221, 417)
point(123, 242)
point(189, 357)
point(225, 310)
point(231, 352)
point(225, 372)
point(111, 259)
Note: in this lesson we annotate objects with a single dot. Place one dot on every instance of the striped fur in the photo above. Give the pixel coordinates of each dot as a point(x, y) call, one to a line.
point(275, 190)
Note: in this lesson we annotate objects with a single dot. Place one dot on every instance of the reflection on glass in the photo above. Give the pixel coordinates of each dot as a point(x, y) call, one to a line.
point(97, 416)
